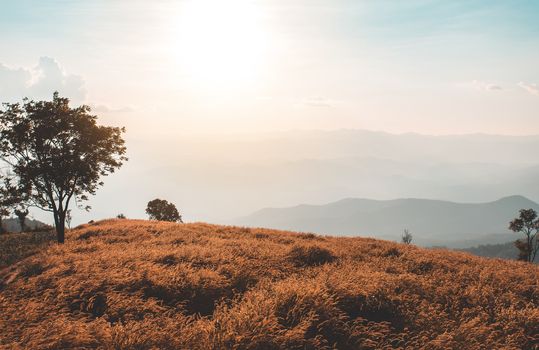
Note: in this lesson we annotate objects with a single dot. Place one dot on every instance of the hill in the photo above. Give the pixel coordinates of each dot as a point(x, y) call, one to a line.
point(126, 284)
point(13, 225)
point(432, 222)
point(503, 251)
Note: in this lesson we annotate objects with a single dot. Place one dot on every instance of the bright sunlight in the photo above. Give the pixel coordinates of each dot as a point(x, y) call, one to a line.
point(221, 44)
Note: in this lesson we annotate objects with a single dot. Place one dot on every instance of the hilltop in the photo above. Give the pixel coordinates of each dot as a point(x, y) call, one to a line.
point(133, 284)
point(432, 222)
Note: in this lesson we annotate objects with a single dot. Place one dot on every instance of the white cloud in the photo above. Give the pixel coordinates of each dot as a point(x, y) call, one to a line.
point(485, 86)
point(530, 87)
point(40, 82)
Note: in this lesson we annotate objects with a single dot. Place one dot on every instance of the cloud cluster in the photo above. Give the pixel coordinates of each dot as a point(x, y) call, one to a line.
point(530, 87)
point(39, 82)
point(485, 86)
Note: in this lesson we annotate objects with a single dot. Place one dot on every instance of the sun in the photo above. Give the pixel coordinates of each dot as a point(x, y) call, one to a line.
point(221, 43)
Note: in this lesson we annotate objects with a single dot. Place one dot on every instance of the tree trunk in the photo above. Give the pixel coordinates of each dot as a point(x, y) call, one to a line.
point(1, 227)
point(59, 224)
point(22, 223)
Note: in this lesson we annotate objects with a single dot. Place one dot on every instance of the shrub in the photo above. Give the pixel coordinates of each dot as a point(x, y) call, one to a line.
point(308, 236)
point(392, 252)
point(31, 269)
point(312, 255)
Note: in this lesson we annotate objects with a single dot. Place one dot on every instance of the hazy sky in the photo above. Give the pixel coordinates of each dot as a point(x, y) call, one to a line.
point(172, 71)
point(197, 66)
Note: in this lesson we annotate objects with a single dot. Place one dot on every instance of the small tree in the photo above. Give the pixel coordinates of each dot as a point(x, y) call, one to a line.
point(9, 197)
point(68, 218)
point(159, 209)
point(528, 224)
point(406, 237)
point(120, 216)
point(21, 214)
point(58, 153)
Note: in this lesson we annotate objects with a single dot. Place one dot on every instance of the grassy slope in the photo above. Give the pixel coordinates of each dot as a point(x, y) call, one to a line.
point(17, 246)
point(125, 284)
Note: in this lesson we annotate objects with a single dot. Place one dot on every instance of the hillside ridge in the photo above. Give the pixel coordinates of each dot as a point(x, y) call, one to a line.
point(509, 198)
point(128, 284)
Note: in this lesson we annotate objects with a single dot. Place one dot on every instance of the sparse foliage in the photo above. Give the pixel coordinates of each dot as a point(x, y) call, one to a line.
point(528, 224)
point(406, 237)
point(9, 197)
point(58, 153)
point(162, 210)
point(68, 218)
point(21, 214)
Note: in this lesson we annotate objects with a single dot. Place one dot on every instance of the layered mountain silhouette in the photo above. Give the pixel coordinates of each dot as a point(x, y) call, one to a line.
point(286, 168)
point(12, 224)
point(432, 222)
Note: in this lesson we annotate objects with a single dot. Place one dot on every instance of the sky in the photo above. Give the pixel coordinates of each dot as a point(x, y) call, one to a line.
point(212, 66)
point(185, 77)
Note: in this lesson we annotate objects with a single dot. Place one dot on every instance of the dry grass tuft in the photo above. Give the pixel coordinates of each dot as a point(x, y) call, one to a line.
point(311, 255)
point(128, 284)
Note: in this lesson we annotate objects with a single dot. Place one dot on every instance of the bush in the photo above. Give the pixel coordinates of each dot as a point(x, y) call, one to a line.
point(312, 255)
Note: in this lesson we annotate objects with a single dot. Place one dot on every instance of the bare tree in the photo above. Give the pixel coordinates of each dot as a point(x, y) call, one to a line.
point(21, 214)
point(68, 218)
point(406, 237)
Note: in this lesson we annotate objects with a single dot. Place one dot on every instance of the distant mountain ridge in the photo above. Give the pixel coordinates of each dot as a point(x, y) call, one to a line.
point(286, 168)
point(13, 225)
point(432, 222)
point(502, 251)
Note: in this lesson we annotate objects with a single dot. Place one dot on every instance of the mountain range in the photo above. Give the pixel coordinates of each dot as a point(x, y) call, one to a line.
point(216, 178)
point(431, 222)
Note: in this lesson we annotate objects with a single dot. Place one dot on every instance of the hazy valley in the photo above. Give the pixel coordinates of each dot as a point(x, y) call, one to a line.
point(220, 181)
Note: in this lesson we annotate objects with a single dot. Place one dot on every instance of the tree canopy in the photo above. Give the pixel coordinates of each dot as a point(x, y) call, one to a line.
point(162, 210)
point(528, 224)
point(58, 153)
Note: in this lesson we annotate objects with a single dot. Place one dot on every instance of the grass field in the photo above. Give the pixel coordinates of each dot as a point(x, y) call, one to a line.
point(16, 246)
point(128, 284)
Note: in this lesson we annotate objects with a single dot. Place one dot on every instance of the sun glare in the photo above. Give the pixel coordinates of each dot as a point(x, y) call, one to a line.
point(221, 43)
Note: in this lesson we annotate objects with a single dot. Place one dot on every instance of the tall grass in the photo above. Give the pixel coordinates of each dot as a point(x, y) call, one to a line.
point(127, 284)
point(17, 246)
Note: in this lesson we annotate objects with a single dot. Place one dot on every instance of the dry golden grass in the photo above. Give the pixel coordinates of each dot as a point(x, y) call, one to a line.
point(16, 246)
point(126, 284)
